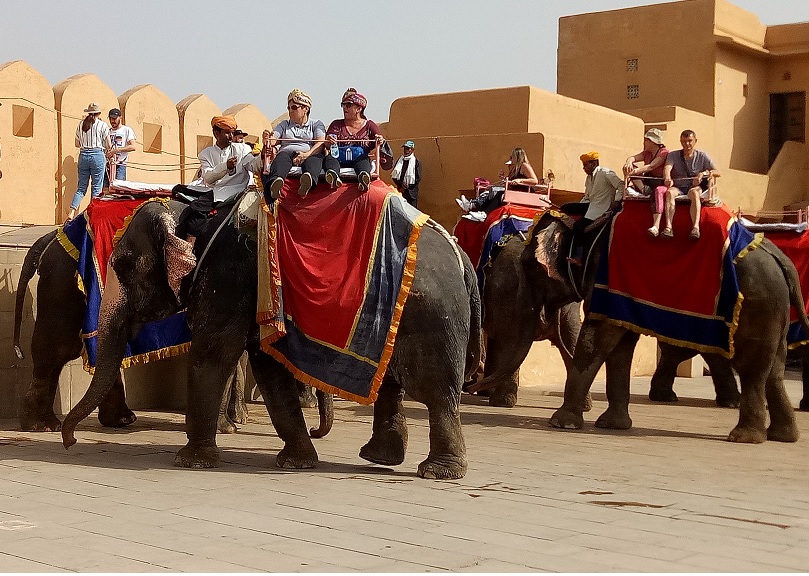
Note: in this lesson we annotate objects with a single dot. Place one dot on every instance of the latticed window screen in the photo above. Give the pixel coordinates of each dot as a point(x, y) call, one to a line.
point(632, 65)
point(632, 91)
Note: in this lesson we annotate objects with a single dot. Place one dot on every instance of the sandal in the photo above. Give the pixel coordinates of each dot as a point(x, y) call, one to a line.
point(653, 231)
point(694, 233)
point(667, 233)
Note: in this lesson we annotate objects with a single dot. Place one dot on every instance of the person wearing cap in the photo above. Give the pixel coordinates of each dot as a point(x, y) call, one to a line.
point(406, 175)
point(93, 141)
point(298, 141)
point(226, 168)
point(602, 187)
point(355, 137)
point(238, 136)
point(123, 142)
point(648, 164)
point(687, 171)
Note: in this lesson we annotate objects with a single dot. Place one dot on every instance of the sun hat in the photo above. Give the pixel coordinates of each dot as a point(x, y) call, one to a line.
point(409, 144)
point(93, 108)
point(654, 135)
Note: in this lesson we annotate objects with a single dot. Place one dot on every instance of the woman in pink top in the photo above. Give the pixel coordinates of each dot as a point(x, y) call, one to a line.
point(649, 164)
point(355, 137)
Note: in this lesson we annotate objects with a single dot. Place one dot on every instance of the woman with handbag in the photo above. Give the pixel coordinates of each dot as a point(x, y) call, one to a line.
point(354, 137)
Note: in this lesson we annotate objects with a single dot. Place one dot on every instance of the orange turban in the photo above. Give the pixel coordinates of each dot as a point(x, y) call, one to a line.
point(589, 156)
point(224, 122)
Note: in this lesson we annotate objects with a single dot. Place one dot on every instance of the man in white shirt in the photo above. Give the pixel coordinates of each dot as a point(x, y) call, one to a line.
point(226, 167)
point(602, 187)
point(123, 141)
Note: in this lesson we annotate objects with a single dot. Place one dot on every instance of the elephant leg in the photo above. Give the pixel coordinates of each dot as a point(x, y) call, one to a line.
point(278, 388)
point(619, 364)
point(565, 332)
point(447, 457)
point(505, 393)
point(388, 442)
point(783, 427)
point(237, 406)
point(224, 424)
point(54, 343)
point(113, 411)
point(724, 381)
point(804, 405)
point(754, 370)
point(595, 343)
point(662, 386)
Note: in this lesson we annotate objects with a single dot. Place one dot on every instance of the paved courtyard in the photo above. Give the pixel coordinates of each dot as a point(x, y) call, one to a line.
point(668, 496)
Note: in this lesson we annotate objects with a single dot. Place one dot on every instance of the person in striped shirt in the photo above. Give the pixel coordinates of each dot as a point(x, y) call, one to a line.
point(93, 141)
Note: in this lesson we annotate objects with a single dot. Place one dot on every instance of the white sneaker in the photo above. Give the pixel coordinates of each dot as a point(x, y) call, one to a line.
point(478, 216)
point(463, 203)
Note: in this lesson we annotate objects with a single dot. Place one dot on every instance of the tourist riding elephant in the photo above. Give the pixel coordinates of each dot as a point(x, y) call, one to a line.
point(56, 340)
point(769, 283)
point(510, 310)
point(438, 337)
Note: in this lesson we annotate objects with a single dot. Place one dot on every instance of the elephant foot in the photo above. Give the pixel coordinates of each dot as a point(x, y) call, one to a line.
point(49, 423)
point(728, 401)
point(225, 425)
point(614, 420)
point(785, 433)
point(119, 418)
point(662, 395)
point(237, 412)
point(387, 448)
point(566, 418)
point(298, 456)
point(804, 405)
point(508, 400)
point(747, 435)
point(195, 456)
point(442, 468)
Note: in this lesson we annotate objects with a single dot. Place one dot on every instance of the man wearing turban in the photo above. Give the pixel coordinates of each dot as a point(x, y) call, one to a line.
point(226, 169)
point(601, 188)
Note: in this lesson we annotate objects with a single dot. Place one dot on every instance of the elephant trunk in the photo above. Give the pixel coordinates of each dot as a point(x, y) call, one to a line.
point(325, 408)
point(112, 337)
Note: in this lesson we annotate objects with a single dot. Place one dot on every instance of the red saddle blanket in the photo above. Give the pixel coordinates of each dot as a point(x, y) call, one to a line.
point(472, 235)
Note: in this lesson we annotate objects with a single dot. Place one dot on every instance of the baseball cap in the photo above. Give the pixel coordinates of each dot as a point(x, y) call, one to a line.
point(409, 144)
point(114, 113)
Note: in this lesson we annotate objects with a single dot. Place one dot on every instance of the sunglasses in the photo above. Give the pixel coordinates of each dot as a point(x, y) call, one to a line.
point(295, 106)
point(347, 104)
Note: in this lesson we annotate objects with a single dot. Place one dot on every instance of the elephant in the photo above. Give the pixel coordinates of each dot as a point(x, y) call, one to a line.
point(56, 340)
point(438, 338)
point(662, 387)
point(766, 277)
point(510, 309)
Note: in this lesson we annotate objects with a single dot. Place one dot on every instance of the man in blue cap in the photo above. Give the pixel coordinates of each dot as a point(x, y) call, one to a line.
point(407, 174)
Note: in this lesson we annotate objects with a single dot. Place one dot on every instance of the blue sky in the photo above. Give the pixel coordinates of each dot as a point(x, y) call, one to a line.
point(256, 51)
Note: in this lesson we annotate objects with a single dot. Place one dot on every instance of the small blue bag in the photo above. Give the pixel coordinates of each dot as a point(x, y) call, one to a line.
point(349, 154)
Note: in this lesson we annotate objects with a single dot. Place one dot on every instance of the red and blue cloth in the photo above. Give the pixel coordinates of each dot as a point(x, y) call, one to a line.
point(478, 238)
point(346, 261)
point(89, 239)
point(681, 290)
point(796, 247)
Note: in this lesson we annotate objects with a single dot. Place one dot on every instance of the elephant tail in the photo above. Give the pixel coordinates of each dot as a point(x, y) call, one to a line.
point(325, 409)
point(793, 281)
point(475, 345)
point(29, 267)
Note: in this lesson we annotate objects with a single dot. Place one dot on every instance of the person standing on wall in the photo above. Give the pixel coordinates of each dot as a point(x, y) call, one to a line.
point(93, 140)
point(123, 142)
point(406, 175)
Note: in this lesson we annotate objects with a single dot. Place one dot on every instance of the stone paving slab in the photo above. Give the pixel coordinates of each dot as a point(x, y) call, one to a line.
point(670, 495)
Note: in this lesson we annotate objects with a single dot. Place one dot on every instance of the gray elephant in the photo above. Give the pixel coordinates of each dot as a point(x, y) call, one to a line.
point(767, 279)
point(438, 336)
point(56, 340)
point(511, 309)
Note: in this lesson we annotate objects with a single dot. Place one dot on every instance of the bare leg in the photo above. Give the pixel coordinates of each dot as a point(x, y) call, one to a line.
point(696, 205)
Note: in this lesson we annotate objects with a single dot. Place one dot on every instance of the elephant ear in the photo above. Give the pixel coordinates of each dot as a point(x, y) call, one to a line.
point(179, 255)
point(547, 252)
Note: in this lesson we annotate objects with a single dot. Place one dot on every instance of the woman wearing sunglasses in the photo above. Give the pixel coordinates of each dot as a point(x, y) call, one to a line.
point(355, 137)
point(300, 142)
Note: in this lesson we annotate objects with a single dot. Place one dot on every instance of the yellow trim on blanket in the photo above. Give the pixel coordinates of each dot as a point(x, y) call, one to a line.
point(167, 352)
point(758, 237)
point(67, 244)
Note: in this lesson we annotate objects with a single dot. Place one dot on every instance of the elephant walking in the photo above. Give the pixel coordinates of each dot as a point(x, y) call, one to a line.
point(438, 337)
point(56, 340)
point(511, 309)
